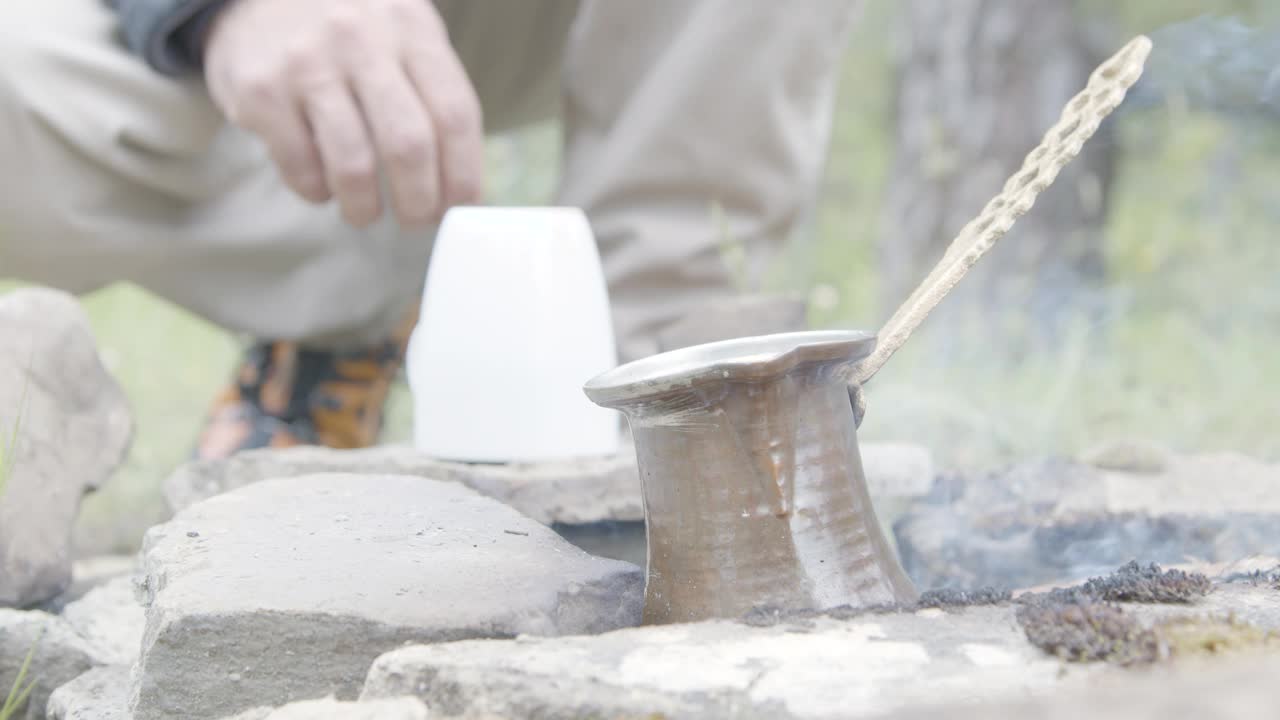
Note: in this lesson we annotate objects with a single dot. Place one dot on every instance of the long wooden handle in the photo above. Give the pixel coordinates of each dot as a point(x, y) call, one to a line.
point(1079, 120)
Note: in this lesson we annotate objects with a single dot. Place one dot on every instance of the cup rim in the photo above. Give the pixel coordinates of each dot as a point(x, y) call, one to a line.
point(752, 358)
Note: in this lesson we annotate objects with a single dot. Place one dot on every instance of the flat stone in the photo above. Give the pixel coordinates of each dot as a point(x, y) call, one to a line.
point(1229, 688)
point(111, 619)
point(1052, 520)
point(258, 713)
point(571, 493)
point(873, 665)
point(818, 668)
point(403, 708)
point(73, 429)
point(288, 589)
point(60, 655)
point(100, 694)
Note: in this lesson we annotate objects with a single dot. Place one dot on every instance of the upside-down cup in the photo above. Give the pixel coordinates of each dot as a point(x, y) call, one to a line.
point(754, 492)
point(515, 313)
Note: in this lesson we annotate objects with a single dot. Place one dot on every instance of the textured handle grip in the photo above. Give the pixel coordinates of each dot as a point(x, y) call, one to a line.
point(1079, 120)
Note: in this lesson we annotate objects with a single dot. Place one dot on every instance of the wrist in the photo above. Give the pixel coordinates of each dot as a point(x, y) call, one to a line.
point(192, 36)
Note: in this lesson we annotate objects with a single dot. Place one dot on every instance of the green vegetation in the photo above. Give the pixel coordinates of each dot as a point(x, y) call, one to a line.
point(16, 700)
point(8, 452)
point(9, 443)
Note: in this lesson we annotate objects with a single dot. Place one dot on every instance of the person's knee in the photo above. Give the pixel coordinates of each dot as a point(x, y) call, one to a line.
point(33, 193)
point(19, 53)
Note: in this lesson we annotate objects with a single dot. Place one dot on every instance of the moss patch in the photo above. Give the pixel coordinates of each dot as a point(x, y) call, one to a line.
point(1187, 636)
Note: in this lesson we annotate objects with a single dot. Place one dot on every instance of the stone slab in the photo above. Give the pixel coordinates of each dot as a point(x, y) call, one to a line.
point(111, 620)
point(1230, 688)
point(871, 665)
point(287, 589)
point(571, 493)
point(819, 668)
point(403, 708)
point(100, 694)
point(73, 428)
point(88, 573)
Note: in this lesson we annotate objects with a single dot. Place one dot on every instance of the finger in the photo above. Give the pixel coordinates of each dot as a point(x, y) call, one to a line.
point(293, 149)
point(404, 138)
point(456, 115)
point(345, 149)
point(266, 110)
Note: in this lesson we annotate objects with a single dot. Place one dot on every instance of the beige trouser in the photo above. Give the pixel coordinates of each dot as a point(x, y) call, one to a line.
point(111, 172)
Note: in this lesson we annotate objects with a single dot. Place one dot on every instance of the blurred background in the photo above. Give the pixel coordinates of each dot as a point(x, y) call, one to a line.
point(1139, 300)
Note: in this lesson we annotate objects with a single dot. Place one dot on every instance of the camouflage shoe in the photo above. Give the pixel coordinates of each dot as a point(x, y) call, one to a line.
point(285, 395)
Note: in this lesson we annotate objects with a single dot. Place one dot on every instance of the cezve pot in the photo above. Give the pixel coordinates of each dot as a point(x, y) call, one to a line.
point(754, 493)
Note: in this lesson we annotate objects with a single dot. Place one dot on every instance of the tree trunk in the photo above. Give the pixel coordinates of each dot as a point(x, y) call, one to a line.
point(977, 85)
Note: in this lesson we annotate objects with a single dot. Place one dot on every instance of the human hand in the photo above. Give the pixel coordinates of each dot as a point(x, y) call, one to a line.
point(340, 91)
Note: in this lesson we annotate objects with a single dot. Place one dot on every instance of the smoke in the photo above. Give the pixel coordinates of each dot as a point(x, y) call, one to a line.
point(1216, 64)
point(1175, 346)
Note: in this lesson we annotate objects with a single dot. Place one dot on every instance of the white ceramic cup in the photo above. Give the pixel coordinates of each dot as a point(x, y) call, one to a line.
point(515, 320)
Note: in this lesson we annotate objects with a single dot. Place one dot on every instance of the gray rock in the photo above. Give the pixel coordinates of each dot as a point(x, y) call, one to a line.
point(875, 664)
point(570, 493)
point(815, 668)
point(258, 713)
point(100, 694)
point(1056, 520)
point(87, 574)
point(1227, 688)
point(111, 620)
point(74, 428)
point(60, 654)
point(288, 589)
point(403, 708)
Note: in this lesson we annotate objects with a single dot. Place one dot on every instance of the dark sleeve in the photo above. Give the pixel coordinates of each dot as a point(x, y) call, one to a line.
point(167, 34)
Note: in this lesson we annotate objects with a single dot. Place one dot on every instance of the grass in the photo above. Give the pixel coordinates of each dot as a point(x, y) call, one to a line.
point(18, 694)
point(9, 444)
point(1181, 350)
point(15, 700)
point(21, 689)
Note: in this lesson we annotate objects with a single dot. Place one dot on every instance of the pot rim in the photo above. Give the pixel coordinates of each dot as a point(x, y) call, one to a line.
point(753, 358)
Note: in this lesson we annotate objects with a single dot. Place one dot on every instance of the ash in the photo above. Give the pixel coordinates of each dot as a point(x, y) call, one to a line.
point(1135, 583)
point(1255, 578)
point(1082, 623)
point(771, 616)
point(1086, 630)
point(963, 598)
point(944, 598)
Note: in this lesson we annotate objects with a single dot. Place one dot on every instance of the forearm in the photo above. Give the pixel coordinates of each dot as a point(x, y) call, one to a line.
point(166, 34)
